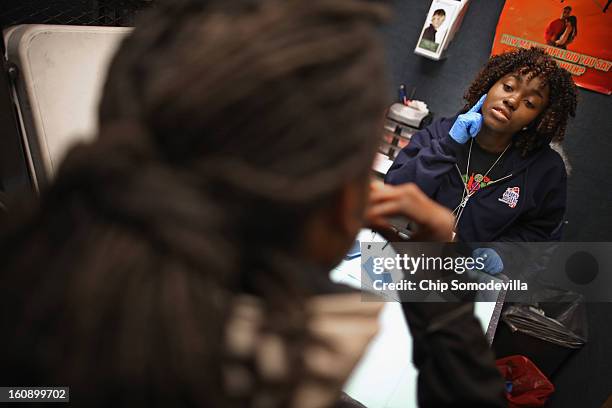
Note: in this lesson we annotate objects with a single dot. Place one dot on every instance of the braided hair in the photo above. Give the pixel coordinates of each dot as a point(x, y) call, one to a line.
point(223, 128)
point(551, 124)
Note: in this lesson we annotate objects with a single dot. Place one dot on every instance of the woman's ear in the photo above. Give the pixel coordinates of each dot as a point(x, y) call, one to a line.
point(534, 123)
point(331, 230)
point(350, 207)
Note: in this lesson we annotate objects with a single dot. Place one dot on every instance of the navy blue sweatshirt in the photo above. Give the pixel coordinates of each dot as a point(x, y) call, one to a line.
point(528, 204)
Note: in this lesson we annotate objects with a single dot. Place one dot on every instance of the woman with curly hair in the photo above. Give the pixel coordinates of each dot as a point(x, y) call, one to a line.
point(492, 164)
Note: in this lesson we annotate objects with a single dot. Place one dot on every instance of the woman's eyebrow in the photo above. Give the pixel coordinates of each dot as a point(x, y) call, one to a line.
point(519, 78)
point(537, 92)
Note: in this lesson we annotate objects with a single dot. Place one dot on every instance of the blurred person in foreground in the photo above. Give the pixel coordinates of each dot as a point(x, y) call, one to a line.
point(182, 258)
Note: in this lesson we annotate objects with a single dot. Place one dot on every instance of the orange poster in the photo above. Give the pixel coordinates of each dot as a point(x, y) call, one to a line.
point(577, 33)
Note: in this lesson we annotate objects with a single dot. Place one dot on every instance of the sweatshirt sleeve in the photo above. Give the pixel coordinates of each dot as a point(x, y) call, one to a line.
point(544, 222)
point(456, 366)
point(430, 154)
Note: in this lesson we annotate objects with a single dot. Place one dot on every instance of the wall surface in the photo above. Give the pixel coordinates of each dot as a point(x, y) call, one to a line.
point(441, 85)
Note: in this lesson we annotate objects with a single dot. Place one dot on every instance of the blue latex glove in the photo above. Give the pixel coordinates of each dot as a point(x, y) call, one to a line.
point(468, 124)
point(493, 263)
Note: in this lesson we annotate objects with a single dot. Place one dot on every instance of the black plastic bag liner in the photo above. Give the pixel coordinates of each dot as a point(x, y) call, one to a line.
point(560, 320)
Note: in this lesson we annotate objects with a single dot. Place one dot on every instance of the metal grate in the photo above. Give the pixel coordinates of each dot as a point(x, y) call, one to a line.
point(72, 12)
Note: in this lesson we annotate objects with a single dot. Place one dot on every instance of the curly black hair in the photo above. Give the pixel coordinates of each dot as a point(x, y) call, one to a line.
point(550, 125)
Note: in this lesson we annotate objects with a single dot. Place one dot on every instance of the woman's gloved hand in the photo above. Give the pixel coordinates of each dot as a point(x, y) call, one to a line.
point(493, 263)
point(468, 124)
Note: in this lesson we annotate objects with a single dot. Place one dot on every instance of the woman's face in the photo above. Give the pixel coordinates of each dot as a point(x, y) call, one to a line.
point(513, 102)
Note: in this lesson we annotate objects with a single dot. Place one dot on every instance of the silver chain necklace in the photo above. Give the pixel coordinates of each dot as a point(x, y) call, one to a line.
point(467, 194)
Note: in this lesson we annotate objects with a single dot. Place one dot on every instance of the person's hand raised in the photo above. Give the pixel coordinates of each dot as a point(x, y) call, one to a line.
point(433, 222)
point(468, 124)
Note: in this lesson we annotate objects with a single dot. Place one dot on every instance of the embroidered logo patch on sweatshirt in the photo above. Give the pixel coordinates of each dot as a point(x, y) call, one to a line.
point(510, 196)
